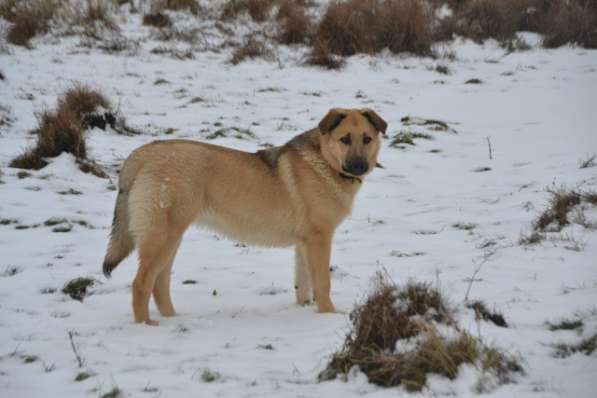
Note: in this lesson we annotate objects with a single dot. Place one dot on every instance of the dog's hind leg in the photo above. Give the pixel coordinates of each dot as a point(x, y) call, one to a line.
point(155, 253)
point(302, 277)
point(161, 289)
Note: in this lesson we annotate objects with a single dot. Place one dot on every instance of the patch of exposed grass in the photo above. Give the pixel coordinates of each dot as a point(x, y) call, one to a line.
point(562, 202)
point(115, 392)
point(588, 162)
point(250, 49)
point(77, 288)
point(586, 346)
point(465, 226)
point(209, 376)
point(531, 239)
point(394, 341)
point(82, 376)
point(236, 132)
point(566, 324)
point(483, 313)
point(408, 138)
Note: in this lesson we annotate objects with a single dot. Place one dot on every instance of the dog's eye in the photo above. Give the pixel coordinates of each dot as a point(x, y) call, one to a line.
point(346, 140)
point(366, 139)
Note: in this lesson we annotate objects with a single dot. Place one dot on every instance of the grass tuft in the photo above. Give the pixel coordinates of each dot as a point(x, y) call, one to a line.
point(408, 138)
point(62, 130)
point(77, 288)
point(483, 313)
point(394, 340)
point(29, 18)
point(566, 324)
point(586, 346)
point(251, 48)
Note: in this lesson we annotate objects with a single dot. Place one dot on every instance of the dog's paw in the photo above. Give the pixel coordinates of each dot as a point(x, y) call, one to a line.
point(326, 307)
point(151, 322)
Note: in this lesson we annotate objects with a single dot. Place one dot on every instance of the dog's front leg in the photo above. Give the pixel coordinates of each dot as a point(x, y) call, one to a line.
point(318, 247)
point(303, 287)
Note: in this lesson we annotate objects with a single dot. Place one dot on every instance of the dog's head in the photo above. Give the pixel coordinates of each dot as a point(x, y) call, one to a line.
point(350, 139)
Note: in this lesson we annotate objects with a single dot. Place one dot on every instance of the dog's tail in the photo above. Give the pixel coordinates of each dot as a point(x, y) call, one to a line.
point(121, 241)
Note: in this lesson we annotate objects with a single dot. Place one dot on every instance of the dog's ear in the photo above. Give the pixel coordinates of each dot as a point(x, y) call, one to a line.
point(375, 120)
point(331, 120)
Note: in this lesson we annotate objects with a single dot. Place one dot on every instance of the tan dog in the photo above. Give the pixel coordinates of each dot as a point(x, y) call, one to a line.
point(292, 195)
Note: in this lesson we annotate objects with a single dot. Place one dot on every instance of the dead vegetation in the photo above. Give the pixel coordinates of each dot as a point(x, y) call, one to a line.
point(394, 340)
point(251, 48)
point(485, 314)
point(369, 26)
point(191, 6)
point(258, 10)
point(63, 129)
point(556, 216)
point(28, 18)
point(408, 138)
point(586, 346)
point(77, 288)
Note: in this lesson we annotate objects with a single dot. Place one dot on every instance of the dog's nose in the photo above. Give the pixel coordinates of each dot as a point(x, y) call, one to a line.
point(357, 167)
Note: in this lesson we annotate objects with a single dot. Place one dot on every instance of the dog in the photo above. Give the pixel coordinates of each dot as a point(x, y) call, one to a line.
point(292, 195)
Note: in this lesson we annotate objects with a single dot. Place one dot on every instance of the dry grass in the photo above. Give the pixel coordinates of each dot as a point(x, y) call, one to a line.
point(62, 130)
point(368, 26)
point(82, 99)
point(586, 346)
point(570, 22)
point(555, 217)
point(176, 5)
point(259, 10)
point(251, 48)
point(158, 19)
point(485, 314)
point(294, 24)
point(29, 18)
point(393, 340)
point(321, 56)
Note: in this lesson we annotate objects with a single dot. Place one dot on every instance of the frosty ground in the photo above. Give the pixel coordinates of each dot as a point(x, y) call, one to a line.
point(239, 321)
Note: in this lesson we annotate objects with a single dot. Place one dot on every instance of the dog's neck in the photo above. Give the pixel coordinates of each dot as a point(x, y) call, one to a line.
point(350, 178)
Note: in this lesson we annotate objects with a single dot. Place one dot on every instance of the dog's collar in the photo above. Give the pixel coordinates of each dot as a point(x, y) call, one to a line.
point(352, 179)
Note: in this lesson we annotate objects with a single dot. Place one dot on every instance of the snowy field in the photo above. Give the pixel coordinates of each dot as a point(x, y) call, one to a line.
point(239, 322)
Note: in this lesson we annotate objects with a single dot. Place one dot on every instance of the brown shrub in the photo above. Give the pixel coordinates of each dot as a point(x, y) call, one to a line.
point(295, 26)
point(259, 10)
point(498, 19)
point(59, 132)
point(29, 18)
point(176, 5)
point(63, 130)
point(320, 55)
point(570, 22)
point(158, 19)
point(252, 48)
point(98, 12)
point(391, 314)
point(82, 99)
point(368, 26)
point(405, 27)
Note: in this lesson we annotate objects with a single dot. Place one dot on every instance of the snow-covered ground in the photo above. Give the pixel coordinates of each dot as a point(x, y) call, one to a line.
point(536, 108)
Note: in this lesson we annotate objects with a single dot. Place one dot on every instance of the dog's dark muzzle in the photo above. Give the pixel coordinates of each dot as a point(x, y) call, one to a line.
point(356, 167)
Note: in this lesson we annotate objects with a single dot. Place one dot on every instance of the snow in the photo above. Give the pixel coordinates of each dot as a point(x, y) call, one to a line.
point(536, 108)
